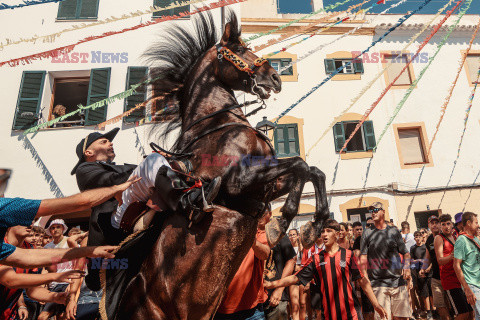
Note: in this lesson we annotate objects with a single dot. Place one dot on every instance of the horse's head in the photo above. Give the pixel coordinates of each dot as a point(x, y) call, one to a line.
point(240, 69)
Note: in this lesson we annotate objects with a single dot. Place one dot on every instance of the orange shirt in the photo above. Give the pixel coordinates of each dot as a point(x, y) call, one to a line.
point(246, 289)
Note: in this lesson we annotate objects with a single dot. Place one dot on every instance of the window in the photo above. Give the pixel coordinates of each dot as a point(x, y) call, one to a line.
point(363, 140)
point(473, 64)
point(135, 75)
point(411, 146)
point(398, 63)
point(286, 140)
point(77, 9)
point(29, 100)
point(350, 66)
point(279, 64)
point(169, 12)
point(68, 93)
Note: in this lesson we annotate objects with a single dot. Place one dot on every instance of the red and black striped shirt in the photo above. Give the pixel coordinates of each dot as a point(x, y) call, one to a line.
point(335, 275)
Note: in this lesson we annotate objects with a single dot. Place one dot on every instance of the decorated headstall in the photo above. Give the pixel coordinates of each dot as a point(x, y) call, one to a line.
point(239, 63)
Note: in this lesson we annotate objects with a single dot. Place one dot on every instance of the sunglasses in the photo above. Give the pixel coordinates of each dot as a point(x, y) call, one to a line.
point(369, 225)
point(374, 210)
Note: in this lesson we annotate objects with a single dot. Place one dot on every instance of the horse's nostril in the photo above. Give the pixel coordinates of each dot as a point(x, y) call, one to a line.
point(276, 79)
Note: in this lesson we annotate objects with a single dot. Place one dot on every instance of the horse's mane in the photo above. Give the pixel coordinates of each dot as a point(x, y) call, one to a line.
point(171, 59)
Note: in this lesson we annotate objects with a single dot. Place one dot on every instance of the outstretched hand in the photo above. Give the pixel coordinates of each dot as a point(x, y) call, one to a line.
point(102, 252)
point(124, 186)
point(68, 276)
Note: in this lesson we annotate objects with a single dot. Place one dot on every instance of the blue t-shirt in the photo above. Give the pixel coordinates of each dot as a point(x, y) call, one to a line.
point(15, 212)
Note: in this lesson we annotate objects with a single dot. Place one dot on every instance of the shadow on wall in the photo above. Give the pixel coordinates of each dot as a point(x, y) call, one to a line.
point(409, 208)
point(470, 193)
point(45, 172)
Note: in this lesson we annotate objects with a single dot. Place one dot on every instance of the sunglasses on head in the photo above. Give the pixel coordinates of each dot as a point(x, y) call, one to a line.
point(374, 210)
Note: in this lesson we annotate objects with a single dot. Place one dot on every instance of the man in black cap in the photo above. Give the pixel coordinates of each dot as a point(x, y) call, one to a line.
point(95, 168)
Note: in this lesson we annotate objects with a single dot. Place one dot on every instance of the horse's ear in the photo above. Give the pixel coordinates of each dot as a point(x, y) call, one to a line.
point(226, 34)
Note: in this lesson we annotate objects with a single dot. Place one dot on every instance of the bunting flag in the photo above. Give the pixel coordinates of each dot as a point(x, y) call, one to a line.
point(262, 34)
point(452, 87)
point(306, 28)
point(430, 60)
point(66, 49)
point(399, 23)
point(52, 37)
point(333, 25)
point(320, 47)
point(407, 65)
point(137, 106)
point(377, 76)
point(4, 6)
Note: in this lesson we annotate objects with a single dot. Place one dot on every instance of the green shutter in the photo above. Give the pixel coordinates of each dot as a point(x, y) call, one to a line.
point(29, 98)
point(358, 66)
point(286, 62)
point(330, 66)
point(135, 75)
point(174, 11)
point(88, 9)
point(338, 136)
point(67, 9)
point(369, 135)
point(285, 135)
point(97, 90)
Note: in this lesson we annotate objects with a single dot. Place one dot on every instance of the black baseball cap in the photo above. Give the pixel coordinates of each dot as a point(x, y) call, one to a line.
point(87, 141)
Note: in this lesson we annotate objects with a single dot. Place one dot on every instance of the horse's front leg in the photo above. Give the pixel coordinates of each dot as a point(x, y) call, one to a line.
point(253, 177)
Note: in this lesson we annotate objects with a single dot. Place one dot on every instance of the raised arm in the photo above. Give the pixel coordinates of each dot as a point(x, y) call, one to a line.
point(284, 282)
point(82, 201)
point(27, 259)
point(9, 278)
point(43, 295)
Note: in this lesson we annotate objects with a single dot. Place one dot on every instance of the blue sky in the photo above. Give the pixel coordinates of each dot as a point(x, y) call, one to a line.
point(304, 6)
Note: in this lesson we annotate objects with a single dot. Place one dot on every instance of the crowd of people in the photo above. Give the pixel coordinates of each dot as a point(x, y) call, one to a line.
point(354, 272)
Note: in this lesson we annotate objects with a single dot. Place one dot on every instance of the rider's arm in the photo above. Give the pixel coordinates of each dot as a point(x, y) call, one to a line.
point(94, 175)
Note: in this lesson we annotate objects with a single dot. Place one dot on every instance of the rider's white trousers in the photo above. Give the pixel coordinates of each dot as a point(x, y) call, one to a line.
point(143, 189)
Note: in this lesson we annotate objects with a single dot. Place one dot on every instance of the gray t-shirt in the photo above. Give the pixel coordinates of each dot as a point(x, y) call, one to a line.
point(382, 248)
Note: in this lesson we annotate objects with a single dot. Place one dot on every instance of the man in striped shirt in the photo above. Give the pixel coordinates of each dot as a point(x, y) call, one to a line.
point(334, 270)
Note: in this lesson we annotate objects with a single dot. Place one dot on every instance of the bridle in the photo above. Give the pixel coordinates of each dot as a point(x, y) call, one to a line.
point(240, 64)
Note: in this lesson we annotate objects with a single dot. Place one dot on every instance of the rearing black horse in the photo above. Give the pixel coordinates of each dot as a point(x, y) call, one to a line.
point(188, 271)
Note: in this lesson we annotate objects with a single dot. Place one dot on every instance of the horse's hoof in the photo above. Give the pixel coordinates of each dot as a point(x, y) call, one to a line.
point(274, 232)
point(307, 235)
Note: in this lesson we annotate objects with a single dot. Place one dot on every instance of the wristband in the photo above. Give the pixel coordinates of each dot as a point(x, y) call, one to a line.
point(22, 307)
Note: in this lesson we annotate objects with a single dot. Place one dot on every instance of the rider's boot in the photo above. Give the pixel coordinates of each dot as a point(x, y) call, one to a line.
point(179, 196)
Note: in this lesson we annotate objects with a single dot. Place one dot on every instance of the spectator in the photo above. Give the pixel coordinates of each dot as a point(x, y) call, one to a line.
point(467, 261)
point(381, 246)
point(18, 211)
point(407, 236)
point(46, 239)
point(431, 264)
point(294, 289)
point(12, 280)
point(57, 230)
point(350, 236)
point(310, 298)
point(458, 228)
point(245, 296)
point(82, 303)
point(444, 249)
point(420, 284)
point(343, 236)
point(280, 264)
point(38, 235)
point(331, 266)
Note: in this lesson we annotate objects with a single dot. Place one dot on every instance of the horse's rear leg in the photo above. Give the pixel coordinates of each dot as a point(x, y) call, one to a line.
point(311, 231)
